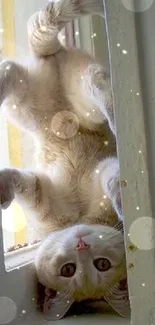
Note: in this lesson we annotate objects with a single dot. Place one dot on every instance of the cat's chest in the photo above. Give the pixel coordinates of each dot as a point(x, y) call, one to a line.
point(74, 157)
point(71, 164)
point(72, 187)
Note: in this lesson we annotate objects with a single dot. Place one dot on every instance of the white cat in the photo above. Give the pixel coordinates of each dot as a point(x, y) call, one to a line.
point(62, 97)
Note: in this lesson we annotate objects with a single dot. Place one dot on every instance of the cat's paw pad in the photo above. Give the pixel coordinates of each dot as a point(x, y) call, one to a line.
point(6, 189)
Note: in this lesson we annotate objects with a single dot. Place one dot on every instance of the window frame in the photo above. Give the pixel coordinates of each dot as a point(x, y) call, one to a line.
point(134, 140)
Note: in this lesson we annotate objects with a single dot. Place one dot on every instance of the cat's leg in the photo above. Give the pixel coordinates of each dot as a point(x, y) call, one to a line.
point(15, 93)
point(32, 190)
point(109, 178)
point(96, 87)
point(44, 26)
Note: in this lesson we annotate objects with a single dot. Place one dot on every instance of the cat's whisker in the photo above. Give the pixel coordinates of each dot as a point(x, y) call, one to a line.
point(110, 236)
point(118, 225)
point(64, 297)
point(117, 298)
point(119, 228)
point(68, 291)
point(110, 290)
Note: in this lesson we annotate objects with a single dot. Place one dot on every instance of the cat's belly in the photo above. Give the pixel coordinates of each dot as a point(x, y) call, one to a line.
point(76, 208)
point(71, 164)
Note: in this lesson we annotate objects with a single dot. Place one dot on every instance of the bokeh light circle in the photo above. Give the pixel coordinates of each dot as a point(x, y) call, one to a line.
point(65, 125)
point(138, 5)
point(141, 233)
point(8, 310)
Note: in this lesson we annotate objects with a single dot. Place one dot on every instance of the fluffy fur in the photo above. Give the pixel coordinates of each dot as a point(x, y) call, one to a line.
point(63, 98)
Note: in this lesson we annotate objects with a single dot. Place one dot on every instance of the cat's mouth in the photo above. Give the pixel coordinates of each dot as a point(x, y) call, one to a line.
point(123, 284)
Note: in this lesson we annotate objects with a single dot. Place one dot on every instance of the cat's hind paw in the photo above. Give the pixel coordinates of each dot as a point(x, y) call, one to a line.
point(115, 194)
point(110, 182)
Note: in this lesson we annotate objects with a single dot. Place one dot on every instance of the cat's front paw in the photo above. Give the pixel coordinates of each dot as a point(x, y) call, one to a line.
point(6, 188)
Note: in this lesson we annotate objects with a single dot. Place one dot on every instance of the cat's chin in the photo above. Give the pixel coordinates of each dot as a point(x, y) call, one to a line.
point(98, 295)
point(46, 296)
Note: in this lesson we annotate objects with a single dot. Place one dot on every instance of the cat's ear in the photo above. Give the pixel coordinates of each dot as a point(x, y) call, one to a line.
point(56, 307)
point(43, 294)
point(52, 303)
point(118, 298)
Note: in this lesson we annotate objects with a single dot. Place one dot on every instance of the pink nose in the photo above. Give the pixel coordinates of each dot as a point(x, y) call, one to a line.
point(81, 246)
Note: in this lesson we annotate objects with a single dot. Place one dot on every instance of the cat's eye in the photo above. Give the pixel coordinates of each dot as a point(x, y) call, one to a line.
point(68, 270)
point(102, 264)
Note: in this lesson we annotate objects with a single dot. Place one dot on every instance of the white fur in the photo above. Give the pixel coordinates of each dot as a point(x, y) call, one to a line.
point(59, 249)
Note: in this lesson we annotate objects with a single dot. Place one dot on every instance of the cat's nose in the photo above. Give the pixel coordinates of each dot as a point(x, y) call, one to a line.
point(81, 246)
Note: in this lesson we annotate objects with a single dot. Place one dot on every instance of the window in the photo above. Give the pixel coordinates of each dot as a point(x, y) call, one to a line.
point(17, 150)
point(133, 78)
point(14, 146)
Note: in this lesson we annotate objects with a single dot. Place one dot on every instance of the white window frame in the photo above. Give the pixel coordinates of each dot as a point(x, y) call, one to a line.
point(135, 121)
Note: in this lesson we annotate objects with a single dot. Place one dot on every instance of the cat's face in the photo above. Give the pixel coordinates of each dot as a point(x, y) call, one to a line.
point(81, 262)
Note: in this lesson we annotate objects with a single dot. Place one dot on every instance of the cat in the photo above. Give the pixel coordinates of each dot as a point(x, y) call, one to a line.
point(63, 98)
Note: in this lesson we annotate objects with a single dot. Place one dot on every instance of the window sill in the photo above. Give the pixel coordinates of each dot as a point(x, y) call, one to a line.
point(20, 257)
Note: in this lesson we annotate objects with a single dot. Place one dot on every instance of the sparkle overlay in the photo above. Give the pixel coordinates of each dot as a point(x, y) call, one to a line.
point(8, 310)
point(141, 233)
point(140, 5)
